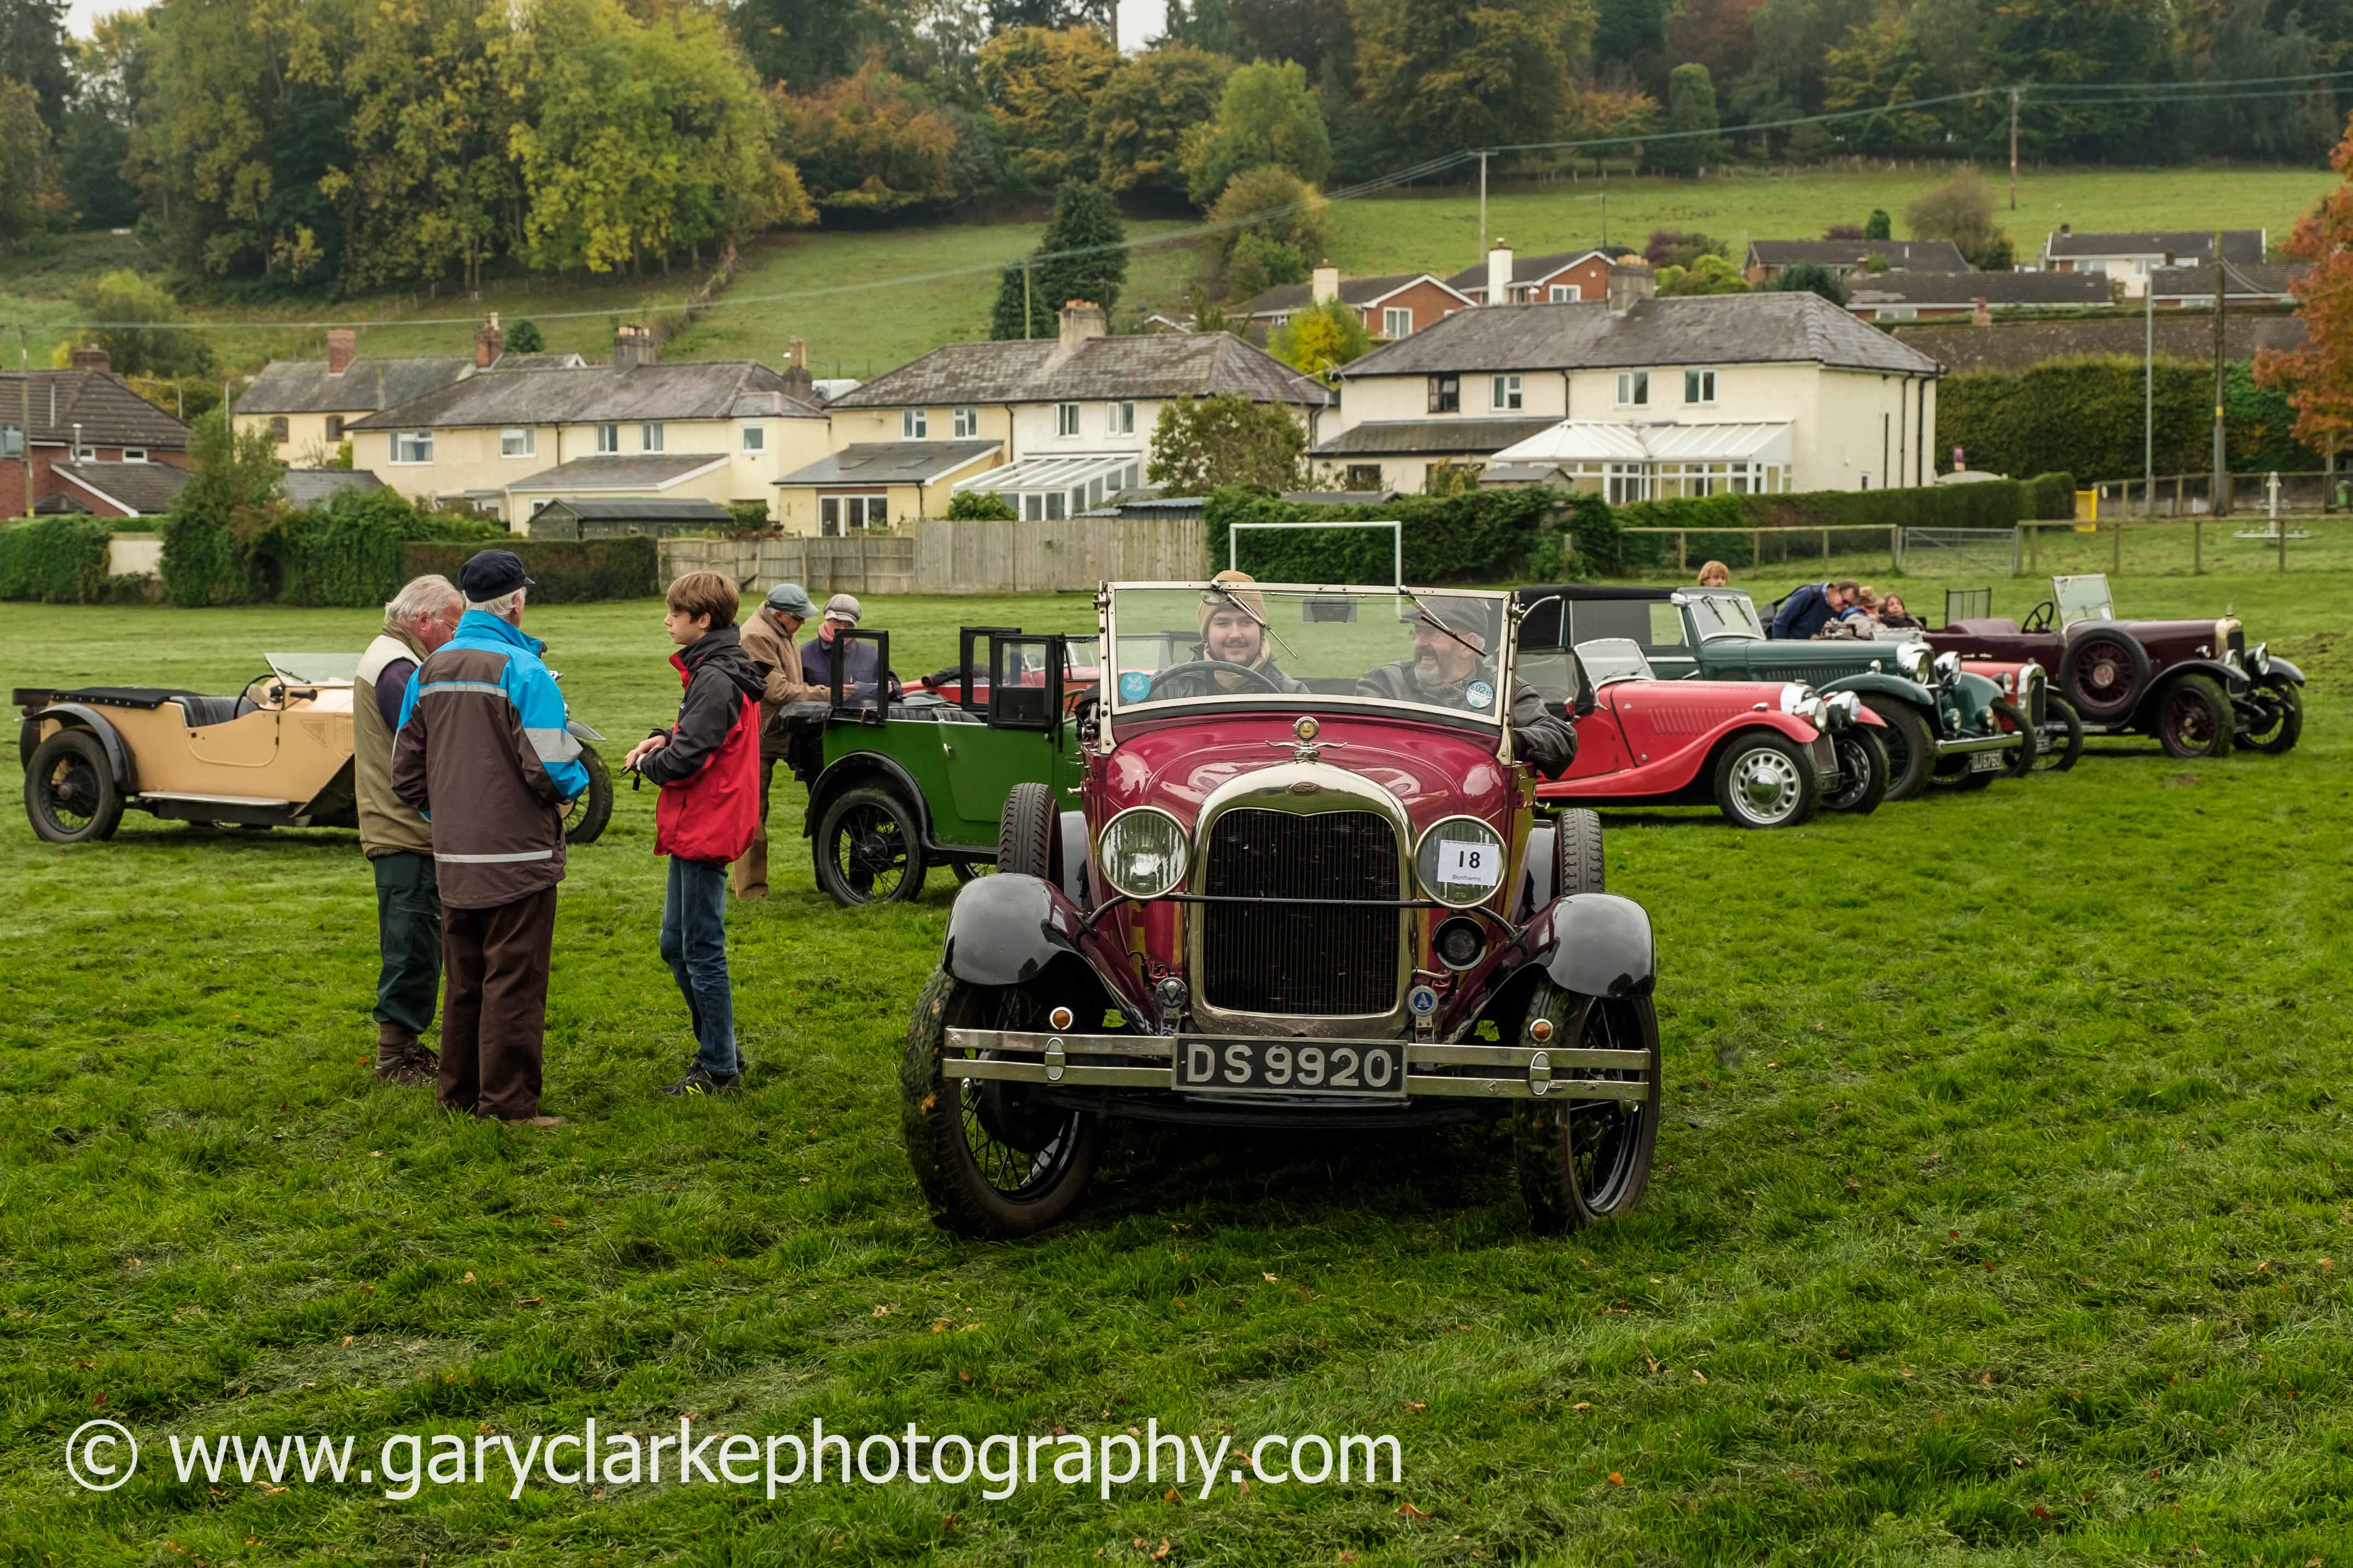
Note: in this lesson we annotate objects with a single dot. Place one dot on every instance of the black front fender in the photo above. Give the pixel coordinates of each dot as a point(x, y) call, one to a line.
point(1008, 929)
point(78, 716)
point(2281, 670)
point(1599, 944)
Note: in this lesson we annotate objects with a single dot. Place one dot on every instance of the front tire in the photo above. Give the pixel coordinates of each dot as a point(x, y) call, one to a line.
point(869, 849)
point(71, 795)
point(2013, 720)
point(1909, 744)
point(1580, 1161)
point(594, 809)
point(2282, 724)
point(2062, 740)
point(992, 1160)
point(1764, 781)
point(1862, 773)
point(1577, 862)
point(2193, 719)
point(1025, 832)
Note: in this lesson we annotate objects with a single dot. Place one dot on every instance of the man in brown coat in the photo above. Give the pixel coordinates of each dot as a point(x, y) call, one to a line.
point(397, 842)
point(768, 639)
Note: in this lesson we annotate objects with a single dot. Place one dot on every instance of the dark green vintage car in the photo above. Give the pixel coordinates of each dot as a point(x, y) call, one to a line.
point(919, 780)
point(1945, 725)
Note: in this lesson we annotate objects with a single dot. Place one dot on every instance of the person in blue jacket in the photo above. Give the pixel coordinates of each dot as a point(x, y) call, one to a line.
point(1810, 608)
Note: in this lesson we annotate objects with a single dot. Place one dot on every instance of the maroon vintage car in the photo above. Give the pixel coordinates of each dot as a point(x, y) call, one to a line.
point(1767, 753)
point(2194, 685)
point(1304, 888)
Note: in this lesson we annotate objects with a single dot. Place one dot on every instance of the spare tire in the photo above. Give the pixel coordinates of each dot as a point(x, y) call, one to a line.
point(2104, 673)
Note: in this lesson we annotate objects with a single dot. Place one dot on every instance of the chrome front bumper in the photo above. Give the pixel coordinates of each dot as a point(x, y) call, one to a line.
point(1978, 744)
point(1534, 1072)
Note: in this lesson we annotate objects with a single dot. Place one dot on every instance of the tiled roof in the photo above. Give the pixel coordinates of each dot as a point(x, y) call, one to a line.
point(1701, 328)
point(2021, 345)
point(1917, 254)
point(1525, 268)
point(640, 510)
point(2245, 281)
point(1405, 437)
point(2182, 245)
point(1286, 297)
point(109, 412)
point(364, 386)
point(1195, 364)
point(144, 487)
point(599, 395)
point(1917, 289)
point(507, 362)
point(312, 487)
point(891, 463)
point(615, 471)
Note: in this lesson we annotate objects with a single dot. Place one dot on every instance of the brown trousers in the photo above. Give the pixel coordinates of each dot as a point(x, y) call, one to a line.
point(494, 1011)
point(752, 870)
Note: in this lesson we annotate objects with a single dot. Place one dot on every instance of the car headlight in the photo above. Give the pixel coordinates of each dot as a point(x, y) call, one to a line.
point(1801, 703)
point(1948, 665)
point(1144, 853)
point(1846, 708)
point(2261, 658)
point(1460, 861)
point(1912, 660)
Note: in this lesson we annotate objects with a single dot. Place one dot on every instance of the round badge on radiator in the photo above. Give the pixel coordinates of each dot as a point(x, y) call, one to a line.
point(1421, 1001)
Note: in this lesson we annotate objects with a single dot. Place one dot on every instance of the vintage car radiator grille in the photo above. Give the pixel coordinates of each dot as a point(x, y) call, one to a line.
point(1306, 959)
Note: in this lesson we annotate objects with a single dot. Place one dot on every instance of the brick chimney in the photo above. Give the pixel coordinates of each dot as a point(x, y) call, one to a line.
point(343, 344)
point(490, 342)
point(634, 346)
point(1630, 282)
point(1979, 315)
point(1498, 274)
point(92, 358)
point(796, 373)
point(1324, 284)
point(1082, 320)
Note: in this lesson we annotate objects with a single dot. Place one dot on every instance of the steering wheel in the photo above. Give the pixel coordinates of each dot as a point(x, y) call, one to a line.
point(1212, 666)
point(2039, 618)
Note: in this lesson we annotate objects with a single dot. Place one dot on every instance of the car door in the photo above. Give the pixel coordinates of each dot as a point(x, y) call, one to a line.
point(1668, 645)
point(1603, 747)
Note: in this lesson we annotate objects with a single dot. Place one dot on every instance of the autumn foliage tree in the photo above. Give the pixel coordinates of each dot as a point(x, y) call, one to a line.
point(1321, 339)
point(1204, 443)
point(1041, 87)
point(1139, 121)
point(870, 143)
point(2319, 377)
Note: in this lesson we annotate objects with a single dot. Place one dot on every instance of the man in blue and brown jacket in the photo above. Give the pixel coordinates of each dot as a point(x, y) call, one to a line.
point(484, 752)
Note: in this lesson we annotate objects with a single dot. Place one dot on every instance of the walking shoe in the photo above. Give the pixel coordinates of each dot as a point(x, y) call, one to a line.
point(743, 1062)
point(527, 1121)
point(701, 1081)
point(402, 1058)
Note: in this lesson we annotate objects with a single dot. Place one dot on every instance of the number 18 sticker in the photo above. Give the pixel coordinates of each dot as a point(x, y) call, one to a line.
point(1469, 865)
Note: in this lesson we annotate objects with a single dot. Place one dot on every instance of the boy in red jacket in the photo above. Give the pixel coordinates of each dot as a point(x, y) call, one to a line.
point(708, 765)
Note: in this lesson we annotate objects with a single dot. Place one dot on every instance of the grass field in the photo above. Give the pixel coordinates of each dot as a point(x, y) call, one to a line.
point(1998, 1216)
point(868, 300)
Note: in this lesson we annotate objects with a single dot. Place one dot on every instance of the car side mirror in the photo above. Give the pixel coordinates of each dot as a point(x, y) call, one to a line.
point(1581, 705)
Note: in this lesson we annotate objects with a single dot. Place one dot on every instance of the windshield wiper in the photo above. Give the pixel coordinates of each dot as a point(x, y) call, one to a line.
point(1432, 616)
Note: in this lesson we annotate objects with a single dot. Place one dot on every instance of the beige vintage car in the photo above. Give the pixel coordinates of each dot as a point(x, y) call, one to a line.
point(277, 755)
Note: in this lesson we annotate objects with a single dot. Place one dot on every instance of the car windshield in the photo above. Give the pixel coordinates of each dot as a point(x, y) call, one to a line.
point(1197, 643)
point(1612, 658)
point(2083, 598)
point(1725, 615)
point(313, 668)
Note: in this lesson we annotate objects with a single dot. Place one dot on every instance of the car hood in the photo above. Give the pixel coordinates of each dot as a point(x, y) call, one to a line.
point(1432, 770)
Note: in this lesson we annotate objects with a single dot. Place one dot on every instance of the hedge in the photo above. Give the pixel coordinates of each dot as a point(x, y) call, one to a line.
point(345, 553)
point(1985, 503)
point(563, 572)
point(2084, 416)
point(55, 560)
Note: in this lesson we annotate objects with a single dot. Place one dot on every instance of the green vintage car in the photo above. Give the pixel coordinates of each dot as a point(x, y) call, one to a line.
point(917, 780)
point(1944, 726)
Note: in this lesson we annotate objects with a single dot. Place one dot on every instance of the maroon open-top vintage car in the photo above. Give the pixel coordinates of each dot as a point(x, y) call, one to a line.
point(2194, 685)
point(1302, 886)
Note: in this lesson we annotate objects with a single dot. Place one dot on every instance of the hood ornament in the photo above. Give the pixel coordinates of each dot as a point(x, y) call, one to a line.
point(1306, 749)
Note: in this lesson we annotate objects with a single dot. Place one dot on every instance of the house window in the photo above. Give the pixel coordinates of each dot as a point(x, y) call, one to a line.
point(1363, 476)
point(1633, 389)
point(1066, 419)
point(755, 439)
point(278, 427)
point(519, 443)
point(608, 437)
point(1119, 419)
point(1699, 386)
point(1445, 395)
point(968, 423)
point(1396, 321)
point(85, 453)
point(914, 423)
point(134, 454)
point(1282, 318)
point(11, 441)
point(1567, 293)
point(412, 446)
point(1503, 393)
point(837, 515)
point(334, 426)
point(650, 438)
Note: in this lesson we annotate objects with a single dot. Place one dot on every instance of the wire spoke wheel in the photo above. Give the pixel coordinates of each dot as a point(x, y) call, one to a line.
point(1610, 1141)
point(1583, 1160)
point(71, 795)
point(868, 848)
point(2193, 719)
point(2279, 723)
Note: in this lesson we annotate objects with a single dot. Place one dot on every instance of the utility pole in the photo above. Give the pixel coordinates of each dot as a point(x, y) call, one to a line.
point(24, 418)
point(2220, 505)
point(1483, 210)
point(1026, 306)
point(2013, 149)
point(1605, 218)
point(2148, 401)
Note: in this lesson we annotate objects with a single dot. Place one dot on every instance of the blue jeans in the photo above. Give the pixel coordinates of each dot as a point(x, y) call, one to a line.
point(694, 945)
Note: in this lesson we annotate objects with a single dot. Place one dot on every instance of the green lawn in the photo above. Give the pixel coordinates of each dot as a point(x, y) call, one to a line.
point(1998, 1218)
point(867, 301)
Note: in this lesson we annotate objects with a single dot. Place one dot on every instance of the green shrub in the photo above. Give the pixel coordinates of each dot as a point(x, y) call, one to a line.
point(564, 571)
point(2086, 416)
point(980, 506)
point(55, 560)
point(1479, 536)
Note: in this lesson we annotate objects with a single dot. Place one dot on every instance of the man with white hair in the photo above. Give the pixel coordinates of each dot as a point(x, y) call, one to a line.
point(484, 752)
point(396, 841)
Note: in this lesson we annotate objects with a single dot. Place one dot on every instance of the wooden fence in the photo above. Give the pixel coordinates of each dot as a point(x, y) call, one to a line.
point(883, 564)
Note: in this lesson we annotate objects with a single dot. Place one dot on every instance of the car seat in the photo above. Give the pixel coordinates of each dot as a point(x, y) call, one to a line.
point(202, 711)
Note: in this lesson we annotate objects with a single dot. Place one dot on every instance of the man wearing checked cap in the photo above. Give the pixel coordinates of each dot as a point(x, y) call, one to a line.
point(768, 639)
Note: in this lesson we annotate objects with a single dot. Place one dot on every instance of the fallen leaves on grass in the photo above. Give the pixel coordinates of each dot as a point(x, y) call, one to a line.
point(1408, 1510)
point(1616, 1480)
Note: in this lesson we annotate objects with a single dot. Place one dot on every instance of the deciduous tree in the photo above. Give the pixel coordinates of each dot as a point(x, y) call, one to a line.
point(1138, 126)
point(1040, 87)
point(31, 189)
point(1444, 74)
point(1808, 278)
point(1201, 445)
point(2319, 377)
point(872, 143)
point(1961, 210)
point(1272, 205)
point(1268, 117)
point(1689, 143)
point(161, 349)
point(37, 50)
point(1709, 274)
point(1321, 339)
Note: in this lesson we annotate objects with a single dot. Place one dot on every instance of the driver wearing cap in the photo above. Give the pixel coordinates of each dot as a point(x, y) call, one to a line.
point(1233, 634)
point(1449, 668)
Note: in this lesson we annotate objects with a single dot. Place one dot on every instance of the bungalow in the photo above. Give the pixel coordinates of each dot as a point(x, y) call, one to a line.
point(719, 431)
point(576, 517)
point(83, 417)
point(871, 484)
point(1765, 392)
point(1925, 296)
point(2244, 283)
point(1560, 276)
point(1395, 306)
point(2133, 257)
point(1072, 415)
point(1847, 258)
point(113, 489)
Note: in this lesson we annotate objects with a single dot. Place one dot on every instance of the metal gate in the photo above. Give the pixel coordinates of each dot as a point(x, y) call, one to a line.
point(1959, 552)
